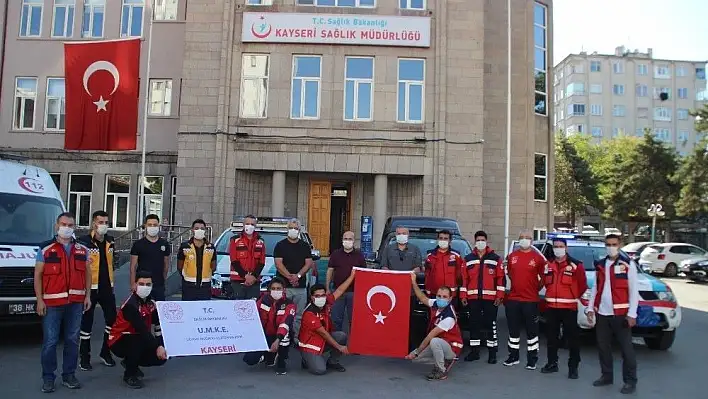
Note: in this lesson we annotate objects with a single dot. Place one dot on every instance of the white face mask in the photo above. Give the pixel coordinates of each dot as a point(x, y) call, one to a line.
point(199, 234)
point(480, 245)
point(102, 229)
point(276, 294)
point(249, 229)
point(443, 244)
point(65, 232)
point(143, 291)
point(612, 251)
point(524, 243)
point(152, 231)
point(320, 302)
point(348, 244)
point(402, 238)
point(293, 234)
point(559, 252)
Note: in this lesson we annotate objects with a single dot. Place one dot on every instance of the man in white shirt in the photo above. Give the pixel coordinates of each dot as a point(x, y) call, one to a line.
point(615, 297)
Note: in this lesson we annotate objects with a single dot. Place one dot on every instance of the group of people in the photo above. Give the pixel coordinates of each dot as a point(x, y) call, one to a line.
point(73, 275)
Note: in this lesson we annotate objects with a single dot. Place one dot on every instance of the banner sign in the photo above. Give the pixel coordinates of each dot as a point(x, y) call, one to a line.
point(194, 328)
point(369, 30)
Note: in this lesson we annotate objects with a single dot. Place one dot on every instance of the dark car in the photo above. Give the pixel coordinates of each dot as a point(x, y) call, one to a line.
point(696, 269)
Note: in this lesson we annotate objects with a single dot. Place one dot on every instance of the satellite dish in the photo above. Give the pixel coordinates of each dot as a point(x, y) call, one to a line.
point(663, 96)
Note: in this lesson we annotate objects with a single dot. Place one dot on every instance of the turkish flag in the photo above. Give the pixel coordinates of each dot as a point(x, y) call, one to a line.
point(101, 81)
point(381, 316)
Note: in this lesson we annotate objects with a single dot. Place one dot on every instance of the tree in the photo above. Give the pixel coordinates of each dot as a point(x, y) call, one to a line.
point(701, 116)
point(693, 175)
point(575, 186)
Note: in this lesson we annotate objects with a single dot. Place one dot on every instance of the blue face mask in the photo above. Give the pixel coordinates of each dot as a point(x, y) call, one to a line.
point(441, 303)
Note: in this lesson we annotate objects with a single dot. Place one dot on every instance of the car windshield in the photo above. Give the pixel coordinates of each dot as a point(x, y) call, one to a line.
point(587, 255)
point(270, 238)
point(634, 247)
point(27, 219)
point(428, 242)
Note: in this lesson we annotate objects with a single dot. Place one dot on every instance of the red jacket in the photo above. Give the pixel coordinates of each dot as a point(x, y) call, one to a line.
point(64, 275)
point(483, 277)
point(310, 340)
point(452, 336)
point(247, 256)
point(619, 282)
point(276, 316)
point(525, 271)
point(565, 283)
point(136, 317)
point(442, 268)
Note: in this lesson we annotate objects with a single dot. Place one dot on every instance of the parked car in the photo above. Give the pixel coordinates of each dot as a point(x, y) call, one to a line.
point(634, 250)
point(271, 231)
point(666, 258)
point(696, 269)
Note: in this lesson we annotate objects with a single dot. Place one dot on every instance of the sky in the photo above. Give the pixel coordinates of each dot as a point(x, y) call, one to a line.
point(674, 29)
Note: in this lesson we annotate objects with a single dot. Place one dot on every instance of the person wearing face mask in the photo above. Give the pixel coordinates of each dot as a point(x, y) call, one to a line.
point(277, 313)
point(152, 254)
point(402, 255)
point(100, 246)
point(483, 289)
point(443, 343)
point(247, 253)
point(613, 309)
point(196, 261)
point(525, 268)
point(316, 336)
point(565, 283)
point(341, 263)
point(443, 266)
point(62, 285)
point(132, 337)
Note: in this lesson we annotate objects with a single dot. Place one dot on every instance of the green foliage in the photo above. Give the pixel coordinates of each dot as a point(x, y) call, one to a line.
point(702, 119)
point(693, 177)
point(575, 185)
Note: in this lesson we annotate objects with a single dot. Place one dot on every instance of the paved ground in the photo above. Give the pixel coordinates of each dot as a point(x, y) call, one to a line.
point(677, 373)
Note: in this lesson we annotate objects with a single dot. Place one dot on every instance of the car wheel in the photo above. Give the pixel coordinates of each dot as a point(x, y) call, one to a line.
point(671, 270)
point(661, 341)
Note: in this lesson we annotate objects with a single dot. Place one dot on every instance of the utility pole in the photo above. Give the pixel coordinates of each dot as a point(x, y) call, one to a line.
point(655, 210)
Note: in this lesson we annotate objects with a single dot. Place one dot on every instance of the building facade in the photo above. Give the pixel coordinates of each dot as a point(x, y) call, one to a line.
point(606, 95)
point(329, 110)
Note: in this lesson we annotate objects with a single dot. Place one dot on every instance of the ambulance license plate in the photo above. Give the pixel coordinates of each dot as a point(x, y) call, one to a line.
point(21, 308)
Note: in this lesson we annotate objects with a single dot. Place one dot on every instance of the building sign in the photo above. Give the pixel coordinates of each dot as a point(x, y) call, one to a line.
point(368, 30)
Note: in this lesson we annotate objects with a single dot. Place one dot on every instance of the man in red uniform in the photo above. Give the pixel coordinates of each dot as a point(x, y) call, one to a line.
point(483, 285)
point(131, 336)
point(277, 314)
point(442, 266)
point(525, 270)
point(565, 283)
point(247, 252)
point(444, 340)
point(316, 336)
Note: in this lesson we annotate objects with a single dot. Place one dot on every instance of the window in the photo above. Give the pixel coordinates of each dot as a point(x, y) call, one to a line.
point(618, 67)
point(151, 198)
point(682, 114)
point(639, 132)
point(642, 113)
point(80, 195)
point(576, 68)
point(580, 128)
point(540, 178)
point(659, 90)
point(596, 131)
point(160, 97)
point(617, 131)
point(662, 114)
point(662, 134)
point(165, 10)
point(681, 71)
point(642, 69)
point(575, 88)
point(701, 73)
point(575, 129)
point(618, 110)
point(683, 136)
point(173, 200)
point(31, 18)
point(131, 20)
point(596, 109)
point(305, 91)
point(117, 196)
point(576, 109)
point(92, 22)
point(55, 112)
point(260, 3)
point(358, 88)
point(412, 4)
point(25, 99)
point(683, 92)
point(339, 3)
point(596, 88)
point(56, 178)
point(411, 90)
point(662, 72)
point(255, 69)
point(641, 90)
point(618, 90)
point(595, 66)
point(539, 234)
point(63, 24)
point(540, 16)
point(561, 114)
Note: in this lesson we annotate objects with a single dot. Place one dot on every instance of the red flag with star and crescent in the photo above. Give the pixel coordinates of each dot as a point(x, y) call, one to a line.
point(101, 81)
point(380, 322)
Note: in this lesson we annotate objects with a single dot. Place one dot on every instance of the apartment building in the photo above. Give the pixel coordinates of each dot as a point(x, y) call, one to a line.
point(606, 95)
point(32, 101)
point(330, 110)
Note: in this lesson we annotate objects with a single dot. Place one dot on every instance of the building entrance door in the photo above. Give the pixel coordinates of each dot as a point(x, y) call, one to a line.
point(319, 204)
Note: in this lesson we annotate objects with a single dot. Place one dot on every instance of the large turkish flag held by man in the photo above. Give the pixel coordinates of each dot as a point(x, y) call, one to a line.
point(101, 94)
point(381, 313)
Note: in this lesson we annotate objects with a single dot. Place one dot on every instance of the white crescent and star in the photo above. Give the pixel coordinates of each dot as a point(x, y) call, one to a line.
point(381, 289)
point(101, 66)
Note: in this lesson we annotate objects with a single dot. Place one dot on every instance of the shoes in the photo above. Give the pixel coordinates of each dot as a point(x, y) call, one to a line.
point(436, 375)
point(48, 386)
point(601, 382)
point(336, 367)
point(531, 363)
point(492, 359)
point(71, 382)
point(472, 356)
point(628, 388)
point(511, 361)
point(573, 373)
point(133, 382)
point(85, 365)
point(550, 368)
point(281, 370)
point(448, 364)
point(107, 360)
point(138, 374)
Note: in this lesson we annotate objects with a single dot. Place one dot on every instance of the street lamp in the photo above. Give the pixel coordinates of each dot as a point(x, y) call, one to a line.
point(655, 210)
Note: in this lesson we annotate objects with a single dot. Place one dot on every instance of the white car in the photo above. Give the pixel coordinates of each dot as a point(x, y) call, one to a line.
point(666, 258)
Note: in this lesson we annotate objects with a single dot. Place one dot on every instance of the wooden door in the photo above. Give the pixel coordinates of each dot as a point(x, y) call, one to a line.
point(319, 214)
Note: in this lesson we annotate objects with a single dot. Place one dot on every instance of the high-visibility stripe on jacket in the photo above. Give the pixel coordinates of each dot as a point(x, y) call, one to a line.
point(619, 283)
point(277, 316)
point(442, 268)
point(64, 274)
point(247, 256)
point(123, 326)
point(454, 335)
point(483, 276)
point(189, 267)
point(565, 283)
point(95, 256)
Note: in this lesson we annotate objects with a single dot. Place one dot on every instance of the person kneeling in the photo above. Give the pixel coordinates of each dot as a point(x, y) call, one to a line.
point(443, 343)
point(131, 336)
point(277, 314)
point(316, 336)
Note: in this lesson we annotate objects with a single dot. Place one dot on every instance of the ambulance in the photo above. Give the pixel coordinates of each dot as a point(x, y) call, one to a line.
point(29, 206)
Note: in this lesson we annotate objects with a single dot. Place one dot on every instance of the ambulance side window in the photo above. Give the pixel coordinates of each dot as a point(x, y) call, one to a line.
point(548, 251)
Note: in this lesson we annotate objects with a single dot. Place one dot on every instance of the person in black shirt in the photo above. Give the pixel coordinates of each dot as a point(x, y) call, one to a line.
point(100, 246)
point(152, 254)
point(293, 259)
point(196, 261)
